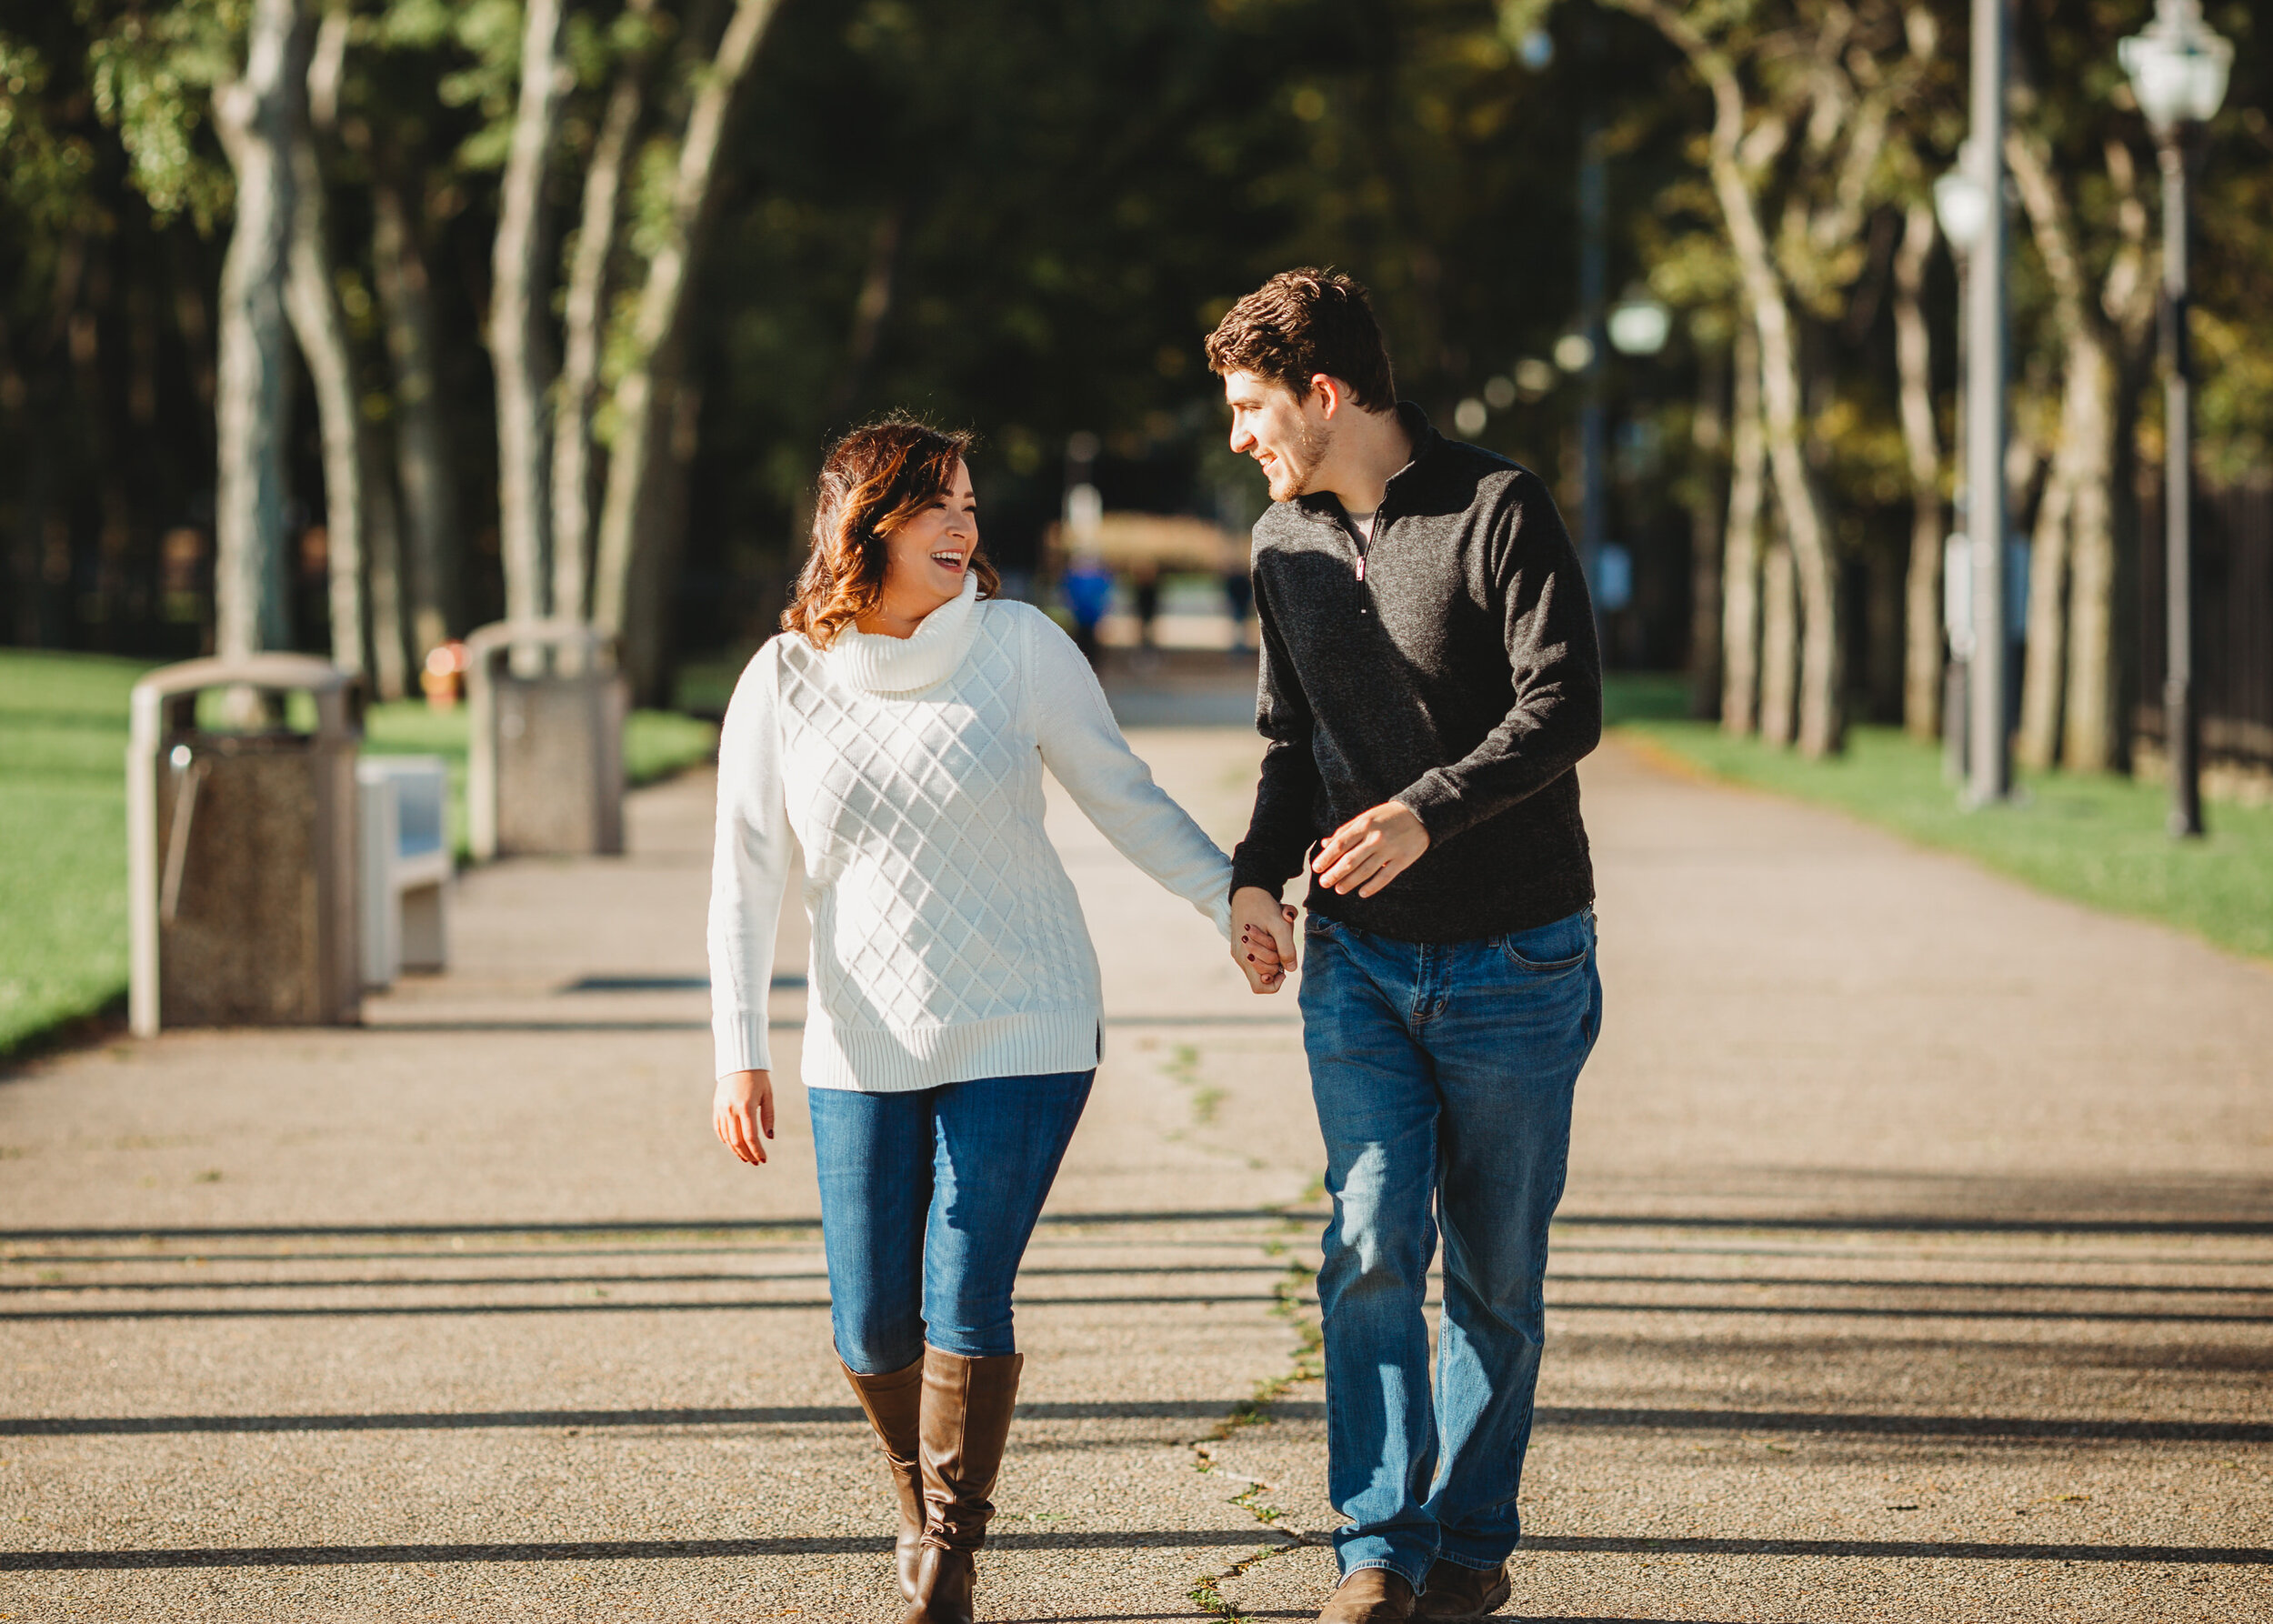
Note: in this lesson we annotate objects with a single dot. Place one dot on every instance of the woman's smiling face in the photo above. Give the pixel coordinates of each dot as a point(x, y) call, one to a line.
point(927, 558)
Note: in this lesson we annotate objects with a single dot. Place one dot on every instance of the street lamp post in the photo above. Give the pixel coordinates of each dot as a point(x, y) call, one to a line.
point(1962, 206)
point(2178, 68)
point(1990, 734)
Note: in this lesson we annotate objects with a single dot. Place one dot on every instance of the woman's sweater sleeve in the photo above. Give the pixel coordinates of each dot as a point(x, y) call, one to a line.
point(1082, 744)
point(749, 869)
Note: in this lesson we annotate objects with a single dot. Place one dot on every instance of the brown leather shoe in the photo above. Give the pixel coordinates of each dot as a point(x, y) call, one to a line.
point(1453, 1592)
point(1370, 1596)
point(894, 1403)
point(964, 1423)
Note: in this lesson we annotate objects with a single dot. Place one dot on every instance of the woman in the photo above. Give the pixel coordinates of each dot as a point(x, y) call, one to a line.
point(898, 728)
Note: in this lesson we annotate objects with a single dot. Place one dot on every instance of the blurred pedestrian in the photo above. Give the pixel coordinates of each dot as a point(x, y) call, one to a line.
point(1088, 589)
point(1146, 591)
point(895, 733)
point(1430, 680)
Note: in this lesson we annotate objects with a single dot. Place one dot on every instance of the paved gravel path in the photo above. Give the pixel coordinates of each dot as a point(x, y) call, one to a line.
point(1917, 1264)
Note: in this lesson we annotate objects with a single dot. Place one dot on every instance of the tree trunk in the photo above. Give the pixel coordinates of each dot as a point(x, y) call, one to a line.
point(2045, 670)
point(2088, 742)
point(641, 413)
point(1921, 439)
point(312, 301)
point(2075, 522)
point(1822, 725)
point(2095, 741)
point(252, 115)
point(390, 672)
point(1740, 563)
point(585, 329)
point(1779, 642)
point(1708, 432)
point(517, 343)
point(421, 438)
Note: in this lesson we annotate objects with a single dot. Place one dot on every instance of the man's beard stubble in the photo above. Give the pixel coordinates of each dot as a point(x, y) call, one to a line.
point(1308, 452)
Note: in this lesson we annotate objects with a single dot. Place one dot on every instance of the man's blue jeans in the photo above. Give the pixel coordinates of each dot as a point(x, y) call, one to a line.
point(927, 1201)
point(1443, 1074)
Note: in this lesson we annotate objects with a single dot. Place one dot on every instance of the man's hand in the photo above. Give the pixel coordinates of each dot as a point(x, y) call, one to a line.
point(1370, 850)
point(743, 1105)
point(1262, 938)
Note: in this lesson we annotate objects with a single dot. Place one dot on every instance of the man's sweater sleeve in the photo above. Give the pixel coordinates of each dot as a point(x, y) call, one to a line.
point(1556, 666)
point(1280, 832)
point(1082, 745)
point(749, 871)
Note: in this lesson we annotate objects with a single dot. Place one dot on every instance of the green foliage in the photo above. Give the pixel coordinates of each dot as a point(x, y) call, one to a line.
point(485, 76)
point(44, 170)
point(153, 71)
point(2093, 839)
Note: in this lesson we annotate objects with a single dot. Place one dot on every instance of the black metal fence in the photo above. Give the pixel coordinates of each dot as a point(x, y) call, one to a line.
point(2233, 626)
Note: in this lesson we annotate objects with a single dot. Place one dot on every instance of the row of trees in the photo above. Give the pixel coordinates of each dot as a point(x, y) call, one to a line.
point(1829, 121)
point(295, 96)
point(547, 306)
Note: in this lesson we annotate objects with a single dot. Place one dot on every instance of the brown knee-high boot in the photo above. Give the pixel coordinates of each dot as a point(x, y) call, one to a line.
point(967, 1412)
point(894, 1403)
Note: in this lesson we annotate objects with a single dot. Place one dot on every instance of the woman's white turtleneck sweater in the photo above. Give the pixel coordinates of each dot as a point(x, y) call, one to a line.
point(947, 941)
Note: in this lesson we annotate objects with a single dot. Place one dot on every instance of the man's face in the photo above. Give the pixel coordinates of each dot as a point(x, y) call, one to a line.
point(1287, 438)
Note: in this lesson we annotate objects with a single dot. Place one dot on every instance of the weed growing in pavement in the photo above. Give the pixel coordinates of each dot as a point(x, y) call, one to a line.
point(1255, 1411)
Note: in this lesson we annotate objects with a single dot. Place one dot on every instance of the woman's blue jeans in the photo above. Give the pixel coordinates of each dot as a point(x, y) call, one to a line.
point(1443, 1074)
point(927, 1201)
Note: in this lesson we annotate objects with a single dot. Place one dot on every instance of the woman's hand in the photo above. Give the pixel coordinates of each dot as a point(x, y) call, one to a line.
point(742, 1111)
point(1262, 938)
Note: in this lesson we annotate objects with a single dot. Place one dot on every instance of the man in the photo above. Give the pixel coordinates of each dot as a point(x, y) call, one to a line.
point(1430, 680)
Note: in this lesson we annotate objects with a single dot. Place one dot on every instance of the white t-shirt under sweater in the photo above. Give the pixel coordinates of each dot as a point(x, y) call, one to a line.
point(947, 941)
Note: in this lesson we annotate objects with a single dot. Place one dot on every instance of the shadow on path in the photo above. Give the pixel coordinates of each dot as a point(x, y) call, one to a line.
point(621, 1550)
point(2012, 1427)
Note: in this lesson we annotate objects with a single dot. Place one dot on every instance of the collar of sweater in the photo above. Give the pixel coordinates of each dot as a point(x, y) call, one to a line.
point(1323, 507)
point(909, 665)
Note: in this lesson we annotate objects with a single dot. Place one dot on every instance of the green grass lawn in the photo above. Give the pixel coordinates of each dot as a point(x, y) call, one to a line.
point(2095, 839)
point(63, 820)
point(63, 838)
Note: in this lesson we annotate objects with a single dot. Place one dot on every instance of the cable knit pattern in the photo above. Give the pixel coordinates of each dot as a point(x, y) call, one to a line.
point(947, 941)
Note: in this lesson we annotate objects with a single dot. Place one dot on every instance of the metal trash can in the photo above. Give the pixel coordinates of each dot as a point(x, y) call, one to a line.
point(405, 865)
point(241, 853)
point(547, 772)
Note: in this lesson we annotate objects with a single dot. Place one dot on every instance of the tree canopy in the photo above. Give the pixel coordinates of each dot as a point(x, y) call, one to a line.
point(1021, 220)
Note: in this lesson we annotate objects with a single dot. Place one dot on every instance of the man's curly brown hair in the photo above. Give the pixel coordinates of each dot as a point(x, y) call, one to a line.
point(1302, 323)
point(873, 481)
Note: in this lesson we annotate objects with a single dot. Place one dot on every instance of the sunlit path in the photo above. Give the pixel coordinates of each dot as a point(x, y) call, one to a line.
point(1910, 1268)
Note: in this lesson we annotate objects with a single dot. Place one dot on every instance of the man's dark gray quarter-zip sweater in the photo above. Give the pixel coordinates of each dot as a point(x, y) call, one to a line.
point(1450, 663)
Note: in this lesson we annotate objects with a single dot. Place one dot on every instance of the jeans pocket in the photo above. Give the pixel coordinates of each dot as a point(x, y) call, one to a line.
point(1553, 949)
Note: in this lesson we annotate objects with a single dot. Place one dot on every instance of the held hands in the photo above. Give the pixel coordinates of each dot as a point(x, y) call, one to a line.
point(1371, 850)
point(1262, 938)
point(740, 1109)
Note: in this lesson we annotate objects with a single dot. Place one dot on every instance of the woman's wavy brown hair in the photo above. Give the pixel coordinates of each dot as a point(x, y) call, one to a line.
point(874, 481)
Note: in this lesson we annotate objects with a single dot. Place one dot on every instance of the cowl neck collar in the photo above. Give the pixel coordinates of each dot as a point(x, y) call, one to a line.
point(923, 659)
